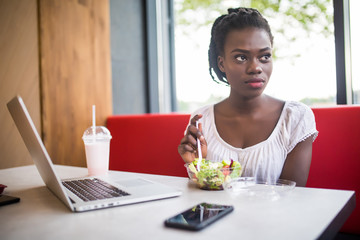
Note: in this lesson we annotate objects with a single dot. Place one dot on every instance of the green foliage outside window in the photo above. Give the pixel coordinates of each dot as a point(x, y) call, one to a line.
point(309, 16)
point(312, 19)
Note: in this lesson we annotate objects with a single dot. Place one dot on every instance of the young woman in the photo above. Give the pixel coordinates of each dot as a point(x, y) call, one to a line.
point(271, 138)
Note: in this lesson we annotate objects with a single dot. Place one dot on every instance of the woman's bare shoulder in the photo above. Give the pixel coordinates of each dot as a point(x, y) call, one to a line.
point(273, 105)
point(275, 101)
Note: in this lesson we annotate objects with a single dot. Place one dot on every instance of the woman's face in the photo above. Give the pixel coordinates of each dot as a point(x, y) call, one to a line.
point(247, 61)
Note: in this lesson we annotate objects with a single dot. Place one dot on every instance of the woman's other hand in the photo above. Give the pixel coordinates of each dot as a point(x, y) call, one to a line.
point(188, 144)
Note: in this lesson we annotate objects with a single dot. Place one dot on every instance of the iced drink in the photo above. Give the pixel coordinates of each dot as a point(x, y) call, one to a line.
point(97, 149)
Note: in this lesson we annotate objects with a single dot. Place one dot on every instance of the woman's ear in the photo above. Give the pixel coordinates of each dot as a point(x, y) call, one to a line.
point(220, 62)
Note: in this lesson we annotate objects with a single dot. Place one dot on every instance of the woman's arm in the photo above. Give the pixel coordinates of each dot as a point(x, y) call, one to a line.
point(297, 163)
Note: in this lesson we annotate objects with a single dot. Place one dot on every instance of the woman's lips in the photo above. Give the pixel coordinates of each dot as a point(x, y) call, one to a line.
point(255, 83)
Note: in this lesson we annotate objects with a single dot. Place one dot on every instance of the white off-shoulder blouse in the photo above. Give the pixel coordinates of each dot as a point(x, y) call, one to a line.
point(264, 160)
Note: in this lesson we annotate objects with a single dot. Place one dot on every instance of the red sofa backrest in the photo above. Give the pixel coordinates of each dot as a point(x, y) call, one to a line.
point(153, 138)
point(336, 155)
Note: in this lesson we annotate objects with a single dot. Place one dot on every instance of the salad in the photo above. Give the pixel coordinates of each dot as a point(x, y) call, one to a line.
point(212, 175)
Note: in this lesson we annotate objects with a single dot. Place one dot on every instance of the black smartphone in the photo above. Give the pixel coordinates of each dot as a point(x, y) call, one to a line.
point(199, 216)
point(5, 199)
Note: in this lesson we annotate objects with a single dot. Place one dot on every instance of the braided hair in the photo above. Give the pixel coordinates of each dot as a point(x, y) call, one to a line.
point(237, 18)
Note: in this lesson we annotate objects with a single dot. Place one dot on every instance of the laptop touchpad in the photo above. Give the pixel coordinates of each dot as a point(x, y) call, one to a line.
point(137, 182)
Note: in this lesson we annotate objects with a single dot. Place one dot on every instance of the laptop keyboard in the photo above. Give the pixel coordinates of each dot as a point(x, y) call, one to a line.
point(93, 189)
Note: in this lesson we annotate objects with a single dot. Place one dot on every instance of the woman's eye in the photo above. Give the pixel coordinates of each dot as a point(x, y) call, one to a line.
point(265, 57)
point(241, 58)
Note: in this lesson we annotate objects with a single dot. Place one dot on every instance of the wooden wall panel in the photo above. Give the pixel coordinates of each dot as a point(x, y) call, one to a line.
point(19, 75)
point(75, 73)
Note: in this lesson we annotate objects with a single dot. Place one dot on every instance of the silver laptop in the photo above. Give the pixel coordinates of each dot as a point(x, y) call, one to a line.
point(86, 193)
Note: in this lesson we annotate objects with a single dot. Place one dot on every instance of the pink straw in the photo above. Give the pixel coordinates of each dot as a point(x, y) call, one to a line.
point(94, 121)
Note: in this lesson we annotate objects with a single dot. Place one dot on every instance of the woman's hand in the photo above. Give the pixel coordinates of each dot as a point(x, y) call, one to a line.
point(188, 145)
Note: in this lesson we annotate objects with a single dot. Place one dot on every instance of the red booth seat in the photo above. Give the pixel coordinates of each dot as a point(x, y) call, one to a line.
point(148, 143)
point(336, 155)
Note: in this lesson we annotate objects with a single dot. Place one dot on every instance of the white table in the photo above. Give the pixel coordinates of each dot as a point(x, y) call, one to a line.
point(306, 213)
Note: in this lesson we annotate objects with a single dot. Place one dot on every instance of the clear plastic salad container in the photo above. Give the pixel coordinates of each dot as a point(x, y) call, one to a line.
point(212, 175)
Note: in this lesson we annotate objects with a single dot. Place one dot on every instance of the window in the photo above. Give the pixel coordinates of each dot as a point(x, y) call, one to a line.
point(304, 67)
point(355, 48)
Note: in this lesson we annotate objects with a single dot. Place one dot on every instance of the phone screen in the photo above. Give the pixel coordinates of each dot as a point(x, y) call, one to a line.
point(199, 216)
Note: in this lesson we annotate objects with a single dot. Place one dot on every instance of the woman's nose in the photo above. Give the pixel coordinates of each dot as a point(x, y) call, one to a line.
point(254, 67)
